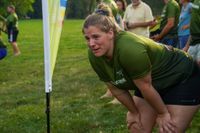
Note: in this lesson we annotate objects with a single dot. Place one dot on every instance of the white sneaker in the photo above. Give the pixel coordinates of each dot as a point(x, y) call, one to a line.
point(108, 94)
point(114, 101)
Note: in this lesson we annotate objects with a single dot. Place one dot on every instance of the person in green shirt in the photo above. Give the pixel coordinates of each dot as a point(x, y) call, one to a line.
point(164, 78)
point(194, 41)
point(12, 29)
point(169, 24)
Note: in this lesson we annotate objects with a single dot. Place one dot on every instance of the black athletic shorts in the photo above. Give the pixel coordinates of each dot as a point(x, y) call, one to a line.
point(187, 93)
point(12, 35)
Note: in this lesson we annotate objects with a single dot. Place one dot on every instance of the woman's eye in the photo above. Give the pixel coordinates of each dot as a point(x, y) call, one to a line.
point(95, 37)
point(87, 38)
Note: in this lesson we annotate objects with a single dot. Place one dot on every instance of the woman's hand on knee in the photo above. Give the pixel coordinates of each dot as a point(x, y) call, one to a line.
point(166, 124)
point(134, 121)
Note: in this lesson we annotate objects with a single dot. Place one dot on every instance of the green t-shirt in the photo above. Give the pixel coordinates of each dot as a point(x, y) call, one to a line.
point(12, 20)
point(135, 56)
point(171, 9)
point(195, 23)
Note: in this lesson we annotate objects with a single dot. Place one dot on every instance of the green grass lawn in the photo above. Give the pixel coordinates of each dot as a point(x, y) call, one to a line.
point(75, 103)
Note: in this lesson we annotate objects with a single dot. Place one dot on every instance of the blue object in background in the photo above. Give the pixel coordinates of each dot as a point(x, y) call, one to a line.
point(63, 3)
point(3, 53)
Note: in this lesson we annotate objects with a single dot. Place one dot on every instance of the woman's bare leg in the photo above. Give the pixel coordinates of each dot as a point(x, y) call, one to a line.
point(182, 115)
point(148, 116)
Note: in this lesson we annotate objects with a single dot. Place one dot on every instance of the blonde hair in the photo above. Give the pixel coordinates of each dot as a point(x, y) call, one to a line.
point(103, 19)
point(104, 23)
point(105, 8)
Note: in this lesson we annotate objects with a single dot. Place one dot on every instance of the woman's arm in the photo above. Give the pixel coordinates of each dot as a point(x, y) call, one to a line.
point(165, 30)
point(184, 27)
point(153, 98)
point(133, 25)
point(150, 94)
point(187, 45)
point(134, 119)
point(124, 97)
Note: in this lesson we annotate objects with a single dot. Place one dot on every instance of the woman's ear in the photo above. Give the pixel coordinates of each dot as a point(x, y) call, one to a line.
point(111, 34)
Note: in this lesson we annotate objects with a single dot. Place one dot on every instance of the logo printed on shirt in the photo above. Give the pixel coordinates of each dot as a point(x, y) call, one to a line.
point(121, 79)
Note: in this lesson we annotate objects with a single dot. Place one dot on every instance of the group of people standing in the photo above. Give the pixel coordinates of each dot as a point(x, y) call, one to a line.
point(11, 29)
point(164, 78)
point(174, 25)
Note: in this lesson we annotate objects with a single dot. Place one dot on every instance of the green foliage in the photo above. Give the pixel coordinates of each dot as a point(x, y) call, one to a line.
point(80, 8)
point(75, 9)
point(37, 10)
point(156, 5)
point(22, 6)
point(75, 103)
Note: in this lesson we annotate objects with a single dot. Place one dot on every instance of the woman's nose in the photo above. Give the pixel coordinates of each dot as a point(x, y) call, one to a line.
point(91, 43)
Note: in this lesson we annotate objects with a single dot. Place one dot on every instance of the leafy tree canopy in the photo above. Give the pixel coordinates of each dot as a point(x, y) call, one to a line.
point(22, 6)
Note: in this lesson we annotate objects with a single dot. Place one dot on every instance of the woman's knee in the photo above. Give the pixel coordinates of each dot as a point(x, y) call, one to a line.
point(132, 127)
point(180, 125)
point(182, 116)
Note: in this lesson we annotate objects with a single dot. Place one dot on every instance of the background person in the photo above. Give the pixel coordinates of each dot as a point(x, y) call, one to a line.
point(3, 50)
point(121, 4)
point(164, 78)
point(115, 11)
point(12, 29)
point(169, 24)
point(194, 40)
point(3, 24)
point(138, 18)
point(184, 22)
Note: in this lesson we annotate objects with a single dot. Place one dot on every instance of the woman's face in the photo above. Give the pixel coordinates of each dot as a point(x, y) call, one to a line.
point(101, 43)
point(120, 5)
